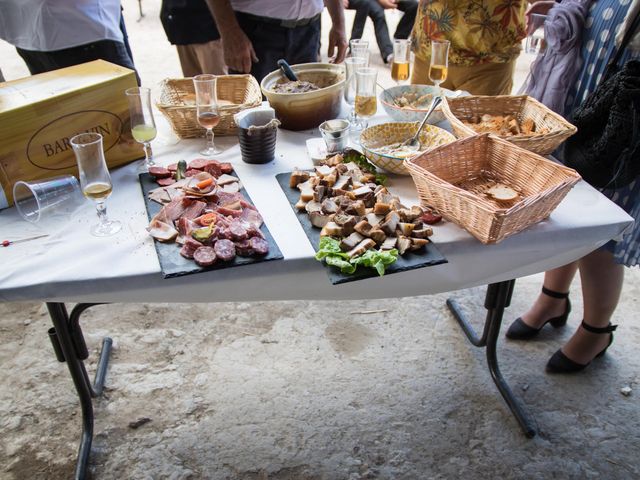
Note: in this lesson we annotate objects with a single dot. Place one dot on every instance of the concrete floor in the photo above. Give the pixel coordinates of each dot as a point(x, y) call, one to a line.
point(312, 390)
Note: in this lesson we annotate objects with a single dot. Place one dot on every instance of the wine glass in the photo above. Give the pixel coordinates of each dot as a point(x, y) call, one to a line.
point(400, 66)
point(95, 180)
point(351, 64)
point(360, 48)
point(366, 103)
point(207, 106)
point(439, 63)
point(143, 127)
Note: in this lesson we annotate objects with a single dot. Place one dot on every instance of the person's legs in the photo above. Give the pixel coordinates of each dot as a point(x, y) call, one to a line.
point(602, 280)
point(410, 9)
point(376, 13)
point(303, 43)
point(188, 60)
point(362, 11)
point(210, 56)
point(486, 79)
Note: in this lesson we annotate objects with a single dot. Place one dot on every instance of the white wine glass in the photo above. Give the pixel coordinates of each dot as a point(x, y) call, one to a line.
point(143, 126)
point(95, 180)
point(366, 102)
point(439, 63)
point(207, 109)
point(400, 66)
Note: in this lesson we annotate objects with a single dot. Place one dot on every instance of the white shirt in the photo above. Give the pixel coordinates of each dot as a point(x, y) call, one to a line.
point(281, 9)
point(47, 25)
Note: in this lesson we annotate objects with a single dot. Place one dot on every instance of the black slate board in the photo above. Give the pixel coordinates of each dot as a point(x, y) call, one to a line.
point(409, 261)
point(175, 265)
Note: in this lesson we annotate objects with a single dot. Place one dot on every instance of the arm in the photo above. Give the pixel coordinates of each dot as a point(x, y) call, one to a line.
point(238, 51)
point(337, 36)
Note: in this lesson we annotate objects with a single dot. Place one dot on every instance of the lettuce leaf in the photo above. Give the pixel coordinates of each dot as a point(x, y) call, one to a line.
point(329, 251)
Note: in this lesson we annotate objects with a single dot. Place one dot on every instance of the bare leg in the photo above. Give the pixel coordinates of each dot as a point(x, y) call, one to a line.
point(546, 307)
point(601, 286)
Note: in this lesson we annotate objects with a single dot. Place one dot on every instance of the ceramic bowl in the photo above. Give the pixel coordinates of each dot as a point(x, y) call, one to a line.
point(387, 133)
point(406, 114)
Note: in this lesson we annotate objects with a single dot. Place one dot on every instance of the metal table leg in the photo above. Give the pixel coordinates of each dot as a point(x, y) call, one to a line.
point(496, 300)
point(69, 345)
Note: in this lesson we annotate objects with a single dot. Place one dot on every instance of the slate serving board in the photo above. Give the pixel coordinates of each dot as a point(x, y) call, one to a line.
point(409, 261)
point(175, 265)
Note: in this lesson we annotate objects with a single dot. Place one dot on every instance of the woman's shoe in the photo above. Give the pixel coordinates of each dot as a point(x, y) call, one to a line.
point(560, 363)
point(521, 331)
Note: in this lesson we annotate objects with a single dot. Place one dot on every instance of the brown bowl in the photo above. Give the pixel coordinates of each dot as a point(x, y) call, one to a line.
point(302, 111)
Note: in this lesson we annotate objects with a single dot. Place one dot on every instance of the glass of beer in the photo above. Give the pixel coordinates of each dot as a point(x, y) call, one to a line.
point(95, 180)
point(439, 62)
point(143, 127)
point(207, 109)
point(401, 60)
point(366, 103)
point(351, 64)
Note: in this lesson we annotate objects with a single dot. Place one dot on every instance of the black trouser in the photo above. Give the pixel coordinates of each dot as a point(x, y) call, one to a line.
point(372, 9)
point(109, 50)
point(272, 42)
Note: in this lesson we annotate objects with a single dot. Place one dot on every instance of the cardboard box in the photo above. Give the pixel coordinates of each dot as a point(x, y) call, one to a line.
point(39, 114)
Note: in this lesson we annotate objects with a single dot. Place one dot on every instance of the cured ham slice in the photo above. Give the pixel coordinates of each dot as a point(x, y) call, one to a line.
point(194, 210)
point(252, 217)
point(162, 232)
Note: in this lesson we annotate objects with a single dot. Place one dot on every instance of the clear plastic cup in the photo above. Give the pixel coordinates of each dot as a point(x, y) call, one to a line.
point(48, 200)
point(535, 39)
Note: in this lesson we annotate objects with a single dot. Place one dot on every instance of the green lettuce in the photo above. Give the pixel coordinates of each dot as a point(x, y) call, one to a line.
point(329, 251)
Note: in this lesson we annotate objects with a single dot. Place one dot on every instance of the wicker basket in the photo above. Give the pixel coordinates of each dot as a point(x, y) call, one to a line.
point(542, 185)
point(522, 107)
point(178, 103)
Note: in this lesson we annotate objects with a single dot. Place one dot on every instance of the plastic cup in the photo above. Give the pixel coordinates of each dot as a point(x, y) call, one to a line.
point(335, 134)
point(53, 199)
point(535, 39)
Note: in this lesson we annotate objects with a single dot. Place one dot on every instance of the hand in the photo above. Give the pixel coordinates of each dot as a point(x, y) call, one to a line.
point(345, 3)
point(337, 40)
point(388, 3)
point(238, 51)
point(542, 8)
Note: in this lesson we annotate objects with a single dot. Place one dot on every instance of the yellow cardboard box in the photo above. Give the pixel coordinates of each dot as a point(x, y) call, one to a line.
point(39, 114)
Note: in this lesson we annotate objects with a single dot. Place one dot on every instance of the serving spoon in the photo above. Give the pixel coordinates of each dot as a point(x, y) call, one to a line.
point(287, 70)
point(415, 140)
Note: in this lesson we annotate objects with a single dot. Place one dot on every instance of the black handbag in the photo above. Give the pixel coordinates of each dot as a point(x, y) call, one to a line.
point(606, 148)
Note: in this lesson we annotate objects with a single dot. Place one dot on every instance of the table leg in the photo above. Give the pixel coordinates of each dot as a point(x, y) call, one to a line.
point(497, 299)
point(69, 345)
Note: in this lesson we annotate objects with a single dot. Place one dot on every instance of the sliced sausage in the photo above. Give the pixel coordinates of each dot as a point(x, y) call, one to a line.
point(172, 167)
point(213, 168)
point(431, 218)
point(199, 163)
point(259, 245)
point(191, 172)
point(237, 231)
point(205, 256)
point(165, 182)
point(225, 250)
point(226, 167)
point(159, 172)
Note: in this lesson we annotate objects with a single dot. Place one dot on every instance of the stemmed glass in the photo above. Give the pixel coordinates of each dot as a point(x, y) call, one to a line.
point(351, 64)
point(401, 59)
point(143, 126)
point(95, 179)
point(439, 62)
point(366, 103)
point(360, 48)
point(207, 107)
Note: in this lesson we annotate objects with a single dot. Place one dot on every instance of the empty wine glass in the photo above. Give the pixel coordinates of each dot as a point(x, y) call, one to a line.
point(95, 180)
point(366, 103)
point(143, 126)
point(360, 48)
point(207, 106)
point(351, 64)
point(439, 63)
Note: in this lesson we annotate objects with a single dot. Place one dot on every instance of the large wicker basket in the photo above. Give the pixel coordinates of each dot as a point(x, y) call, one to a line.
point(522, 107)
point(542, 185)
point(178, 103)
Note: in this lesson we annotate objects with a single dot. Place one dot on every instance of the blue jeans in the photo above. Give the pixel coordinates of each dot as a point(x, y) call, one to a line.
point(272, 42)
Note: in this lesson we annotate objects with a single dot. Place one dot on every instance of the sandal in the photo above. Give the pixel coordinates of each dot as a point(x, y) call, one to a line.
point(521, 331)
point(560, 363)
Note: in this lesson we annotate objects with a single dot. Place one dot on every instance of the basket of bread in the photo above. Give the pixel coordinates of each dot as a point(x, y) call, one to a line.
point(489, 186)
point(520, 119)
point(178, 103)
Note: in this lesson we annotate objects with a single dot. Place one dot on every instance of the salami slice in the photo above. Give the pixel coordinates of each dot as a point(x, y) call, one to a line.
point(172, 167)
point(259, 245)
point(165, 182)
point(189, 247)
point(244, 248)
point(431, 218)
point(199, 163)
point(226, 167)
point(225, 250)
point(237, 231)
point(159, 172)
point(191, 172)
point(205, 256)
point(213, 168)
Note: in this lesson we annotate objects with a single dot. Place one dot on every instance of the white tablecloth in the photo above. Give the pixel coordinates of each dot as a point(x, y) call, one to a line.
point(72, 265)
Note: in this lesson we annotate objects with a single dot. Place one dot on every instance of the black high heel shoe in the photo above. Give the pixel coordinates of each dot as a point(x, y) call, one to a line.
point(521, 331)
point(560, 363)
